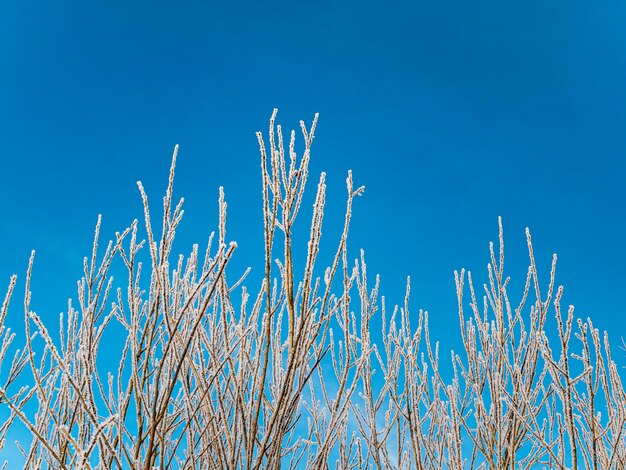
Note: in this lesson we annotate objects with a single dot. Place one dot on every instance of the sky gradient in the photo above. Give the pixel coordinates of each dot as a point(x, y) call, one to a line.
point(450, 113)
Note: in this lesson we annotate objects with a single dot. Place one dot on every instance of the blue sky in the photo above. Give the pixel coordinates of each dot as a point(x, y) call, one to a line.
point(450, 113)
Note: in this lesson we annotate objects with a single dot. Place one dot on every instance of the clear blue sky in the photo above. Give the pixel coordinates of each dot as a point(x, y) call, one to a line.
point(450, 113)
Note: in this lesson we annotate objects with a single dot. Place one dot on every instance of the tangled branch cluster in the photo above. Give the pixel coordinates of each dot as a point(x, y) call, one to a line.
point(213, 376)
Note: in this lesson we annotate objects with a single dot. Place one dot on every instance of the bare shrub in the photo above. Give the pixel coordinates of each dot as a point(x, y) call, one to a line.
point(213, 375)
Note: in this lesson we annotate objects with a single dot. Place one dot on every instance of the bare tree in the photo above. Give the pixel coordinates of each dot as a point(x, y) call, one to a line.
point(288, 374)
